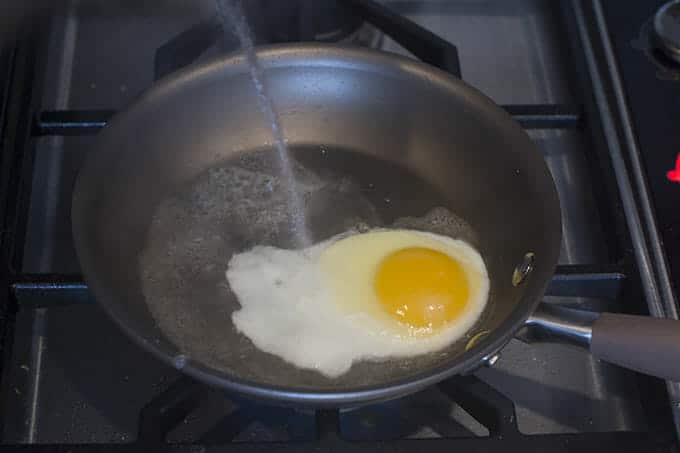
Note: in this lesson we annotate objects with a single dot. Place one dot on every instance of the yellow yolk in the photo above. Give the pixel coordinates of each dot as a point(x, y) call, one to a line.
point(421, 287)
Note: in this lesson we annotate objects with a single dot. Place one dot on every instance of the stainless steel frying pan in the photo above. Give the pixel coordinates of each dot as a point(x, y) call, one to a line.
point(186, 177)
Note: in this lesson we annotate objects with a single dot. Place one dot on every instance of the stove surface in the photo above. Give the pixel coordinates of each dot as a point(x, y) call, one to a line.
point(652, 84)
point(76, 378)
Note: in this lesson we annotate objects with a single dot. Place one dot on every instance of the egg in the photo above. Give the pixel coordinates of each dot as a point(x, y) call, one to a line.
point(370, 296)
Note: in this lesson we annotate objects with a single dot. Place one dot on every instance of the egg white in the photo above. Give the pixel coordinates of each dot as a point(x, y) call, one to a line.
point(316, 308)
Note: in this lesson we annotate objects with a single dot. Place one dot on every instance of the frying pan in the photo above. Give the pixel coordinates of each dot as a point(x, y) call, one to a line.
point(187, 176)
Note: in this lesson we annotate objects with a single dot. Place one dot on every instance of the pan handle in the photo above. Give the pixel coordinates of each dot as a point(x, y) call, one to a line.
point(641, 343)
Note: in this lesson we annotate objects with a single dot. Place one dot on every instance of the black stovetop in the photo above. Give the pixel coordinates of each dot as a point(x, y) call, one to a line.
point(652, 87)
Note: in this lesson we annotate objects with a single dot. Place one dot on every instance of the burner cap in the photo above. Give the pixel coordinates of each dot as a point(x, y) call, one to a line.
point(667, 30)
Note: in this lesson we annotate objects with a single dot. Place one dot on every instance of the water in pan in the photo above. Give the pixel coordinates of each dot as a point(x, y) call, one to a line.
point(233, 207)
point(231, 15)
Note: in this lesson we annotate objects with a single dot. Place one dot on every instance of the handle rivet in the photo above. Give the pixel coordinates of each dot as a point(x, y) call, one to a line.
point(523, 269)
point(491, 360)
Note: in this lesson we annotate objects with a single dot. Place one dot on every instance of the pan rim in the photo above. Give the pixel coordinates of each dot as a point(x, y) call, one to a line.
point(465, 363)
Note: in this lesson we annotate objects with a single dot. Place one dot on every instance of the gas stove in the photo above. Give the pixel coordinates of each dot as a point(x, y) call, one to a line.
point(595, 85)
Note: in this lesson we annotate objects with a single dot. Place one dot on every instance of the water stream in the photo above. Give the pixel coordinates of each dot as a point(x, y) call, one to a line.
point(233, 19)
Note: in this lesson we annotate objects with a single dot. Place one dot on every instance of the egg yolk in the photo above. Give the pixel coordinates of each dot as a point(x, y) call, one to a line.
point(421, 287)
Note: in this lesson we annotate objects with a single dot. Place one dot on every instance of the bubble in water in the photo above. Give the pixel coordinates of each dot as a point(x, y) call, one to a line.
point(362, 227)
point(442, 221)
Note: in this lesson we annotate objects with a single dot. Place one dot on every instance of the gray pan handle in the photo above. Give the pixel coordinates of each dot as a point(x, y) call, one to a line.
point(641, 343)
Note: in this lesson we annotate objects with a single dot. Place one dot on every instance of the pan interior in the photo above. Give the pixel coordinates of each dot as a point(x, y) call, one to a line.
point(374, 138)
point(239, 204)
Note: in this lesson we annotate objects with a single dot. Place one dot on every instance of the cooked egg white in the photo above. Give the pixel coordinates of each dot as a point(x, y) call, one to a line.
point(369, 296)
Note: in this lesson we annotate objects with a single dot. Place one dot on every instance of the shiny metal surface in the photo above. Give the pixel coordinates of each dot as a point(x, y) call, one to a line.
point(520, 41)
point(416, 137)
point(523, 269)
point(558, 387)
point(555, 323)
point(492, 360)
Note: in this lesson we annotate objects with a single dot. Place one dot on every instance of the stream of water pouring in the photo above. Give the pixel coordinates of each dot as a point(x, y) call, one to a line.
point(232, 17)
